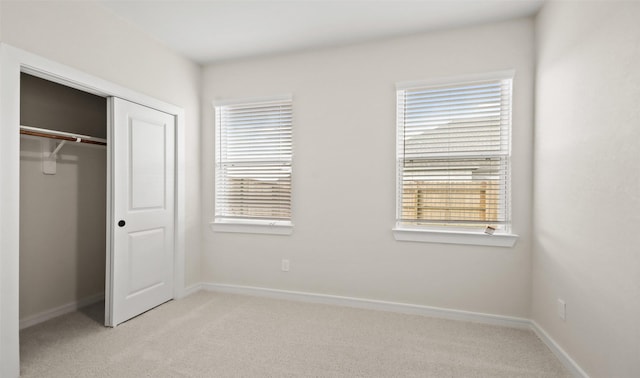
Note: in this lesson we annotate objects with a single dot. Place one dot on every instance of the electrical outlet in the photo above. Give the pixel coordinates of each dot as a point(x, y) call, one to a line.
point(562, 309)
point(285, 265)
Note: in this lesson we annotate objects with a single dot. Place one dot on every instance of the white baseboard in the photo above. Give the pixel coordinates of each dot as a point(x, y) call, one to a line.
point(371, 304)
point(61, 310)
point(560, 353)
point(191, 290)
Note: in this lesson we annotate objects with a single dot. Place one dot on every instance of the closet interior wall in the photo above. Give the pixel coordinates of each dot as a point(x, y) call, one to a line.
point(62, 216)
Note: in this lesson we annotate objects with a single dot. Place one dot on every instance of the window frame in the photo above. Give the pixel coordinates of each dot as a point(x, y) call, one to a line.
point(444, 234)
point(248, 225)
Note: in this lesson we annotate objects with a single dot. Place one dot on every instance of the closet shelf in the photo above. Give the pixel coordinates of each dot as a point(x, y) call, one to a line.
point(54, 134)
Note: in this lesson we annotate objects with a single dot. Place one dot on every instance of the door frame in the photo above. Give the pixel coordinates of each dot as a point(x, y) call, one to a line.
point(13, 61)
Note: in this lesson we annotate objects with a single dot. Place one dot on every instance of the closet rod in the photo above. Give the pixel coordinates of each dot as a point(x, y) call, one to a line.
point(54, 134)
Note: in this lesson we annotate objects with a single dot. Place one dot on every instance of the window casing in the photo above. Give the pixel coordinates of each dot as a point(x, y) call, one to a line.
point(454, 155)
point(254, 162)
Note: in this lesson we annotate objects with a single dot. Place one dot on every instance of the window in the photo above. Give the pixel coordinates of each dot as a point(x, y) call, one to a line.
point(253, 165)
point(453, 156)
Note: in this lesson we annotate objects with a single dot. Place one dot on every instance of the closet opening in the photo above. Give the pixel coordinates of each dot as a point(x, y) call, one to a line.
point(144, 261)
point(63, 202)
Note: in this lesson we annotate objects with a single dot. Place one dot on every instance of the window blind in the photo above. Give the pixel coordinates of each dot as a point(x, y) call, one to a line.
point(253, 161)
point(454, 155)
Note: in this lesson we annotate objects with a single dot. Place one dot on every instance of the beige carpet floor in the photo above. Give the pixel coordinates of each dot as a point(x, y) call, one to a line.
point(224, 335)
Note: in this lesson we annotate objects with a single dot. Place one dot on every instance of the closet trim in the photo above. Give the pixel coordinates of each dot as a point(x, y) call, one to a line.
point(13, 61)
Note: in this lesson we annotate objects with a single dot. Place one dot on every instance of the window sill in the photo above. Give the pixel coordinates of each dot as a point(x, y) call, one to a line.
point(252, 227)
point(455, 237)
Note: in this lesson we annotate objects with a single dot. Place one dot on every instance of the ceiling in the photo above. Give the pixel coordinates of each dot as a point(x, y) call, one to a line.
point(213, 30)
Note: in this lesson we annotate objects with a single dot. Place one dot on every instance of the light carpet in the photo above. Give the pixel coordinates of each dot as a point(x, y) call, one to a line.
point(224, 335)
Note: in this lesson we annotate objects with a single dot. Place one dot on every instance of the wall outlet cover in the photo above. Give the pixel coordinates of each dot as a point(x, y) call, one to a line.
point(562, 309)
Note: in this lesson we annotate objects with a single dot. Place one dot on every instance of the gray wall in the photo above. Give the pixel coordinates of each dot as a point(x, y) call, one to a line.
point(50, 105)
point(587, 183)
point(62, 216)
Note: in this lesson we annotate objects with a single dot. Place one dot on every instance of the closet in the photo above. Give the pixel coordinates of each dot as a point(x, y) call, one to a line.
point(82, 221)
point(63, 199)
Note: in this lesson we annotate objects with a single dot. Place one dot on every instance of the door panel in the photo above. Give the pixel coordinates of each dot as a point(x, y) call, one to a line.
point(147, 170)
point(143, 171)
point(146, 270)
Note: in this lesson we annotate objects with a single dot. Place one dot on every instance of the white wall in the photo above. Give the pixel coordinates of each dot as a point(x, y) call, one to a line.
point(86, 36)
point(587, 183)
point(344, 174)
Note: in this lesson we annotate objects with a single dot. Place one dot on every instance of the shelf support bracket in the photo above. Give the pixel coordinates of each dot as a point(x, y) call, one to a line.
point(54, 154)
point(49, 158)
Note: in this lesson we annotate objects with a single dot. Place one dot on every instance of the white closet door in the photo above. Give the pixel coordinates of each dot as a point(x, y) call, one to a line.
point(142, 230)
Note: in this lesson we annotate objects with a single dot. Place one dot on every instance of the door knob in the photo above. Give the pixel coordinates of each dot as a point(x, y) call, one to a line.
point(121, 223)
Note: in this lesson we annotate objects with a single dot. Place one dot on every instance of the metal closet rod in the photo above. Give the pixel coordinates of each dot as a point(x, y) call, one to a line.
point(54, 134)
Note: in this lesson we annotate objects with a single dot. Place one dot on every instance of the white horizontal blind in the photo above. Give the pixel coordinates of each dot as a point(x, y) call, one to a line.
point(253, 161)
point(454, 155)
